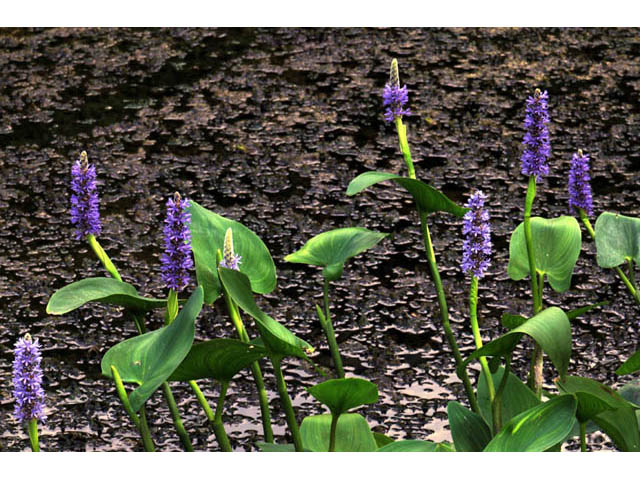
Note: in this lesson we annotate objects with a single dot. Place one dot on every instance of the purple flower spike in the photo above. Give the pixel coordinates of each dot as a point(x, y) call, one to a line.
point(176, 259)
point(536, 139)
point(476, 249)
point(84, 199)
point(579, 187)
point(394, 97)
point(229, 258)
point(27, 381)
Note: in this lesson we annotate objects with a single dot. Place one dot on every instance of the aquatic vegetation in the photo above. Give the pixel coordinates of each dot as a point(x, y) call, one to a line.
point(501, 412)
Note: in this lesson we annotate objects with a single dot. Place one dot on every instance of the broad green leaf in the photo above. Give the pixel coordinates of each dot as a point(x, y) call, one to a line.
point(150, 359)
point(382, 439)
point(352, 433)
point(511, 321)
point(469, 431)
point(333, 248)
point(550, 328)
point(619, 422)
point(207, 237)
point(427, 198)
point(556, 245)
point(632, 365)
point(415, 446)
point(275, 447)
point(276, 337)
point(537, 429)
point(617, 238)
point(517, 397)
point(343, 394)
point(101, 290)
point(220, 359)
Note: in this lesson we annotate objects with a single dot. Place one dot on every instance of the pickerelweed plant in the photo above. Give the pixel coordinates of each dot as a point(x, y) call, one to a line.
point(501, 412)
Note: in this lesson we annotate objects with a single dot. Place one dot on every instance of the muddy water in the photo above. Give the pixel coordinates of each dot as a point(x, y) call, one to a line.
point(268, 127)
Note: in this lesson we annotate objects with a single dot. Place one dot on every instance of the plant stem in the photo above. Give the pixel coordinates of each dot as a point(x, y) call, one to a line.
point(218, 426)
point(332, 432)
point(404, 146)
point(32, 429)
point(329, 332)
point(144, 431)
point(103, 257)
point(583, 436)
point(496, 406)
point(286, 404)
point(175, 415)
point(473, 314)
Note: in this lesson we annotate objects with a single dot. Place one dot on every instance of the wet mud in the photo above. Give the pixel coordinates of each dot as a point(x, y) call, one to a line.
point(268, 126)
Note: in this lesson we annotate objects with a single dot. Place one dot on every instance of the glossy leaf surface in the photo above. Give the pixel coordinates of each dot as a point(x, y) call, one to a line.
point(352, 433)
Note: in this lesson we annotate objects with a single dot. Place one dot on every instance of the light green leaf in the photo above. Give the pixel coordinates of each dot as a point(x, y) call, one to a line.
point(275, 447)
point(427, 198)
point(207, 237)
point(150, 359)
point(352, 433)
point(556, 245)
point(382, 439)
point(343, 394)
point(469, 431)
point(617, 238)
point(102, 290)
point(632, 365)
point(415, 446)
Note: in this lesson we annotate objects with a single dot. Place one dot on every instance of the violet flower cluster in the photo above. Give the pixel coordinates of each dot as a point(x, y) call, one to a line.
point(394, 97)
point(85, 214)
point(476, 249)
point(579, 187)
point(176, 259)
point(229, 258)
point(27, 381)
point(536, 139)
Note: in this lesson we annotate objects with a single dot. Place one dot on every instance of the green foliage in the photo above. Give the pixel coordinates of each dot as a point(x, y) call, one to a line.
point(150, 359)
point(220, 359)
point(469, 431)
point(343, 394)
point(617, 238)
point(103, 290)
point(556, 245)
point(382, 439)
point(275, 447)
point(415, 446)
point(352, 434)
point(427, 198)
point(632, 365)
point(511, 321)
point(207, 237)
point(537, 429)
point(333, 248)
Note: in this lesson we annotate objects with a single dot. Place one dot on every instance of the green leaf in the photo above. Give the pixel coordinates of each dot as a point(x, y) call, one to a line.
point(537, 429)
point(220, 359)
point(550, 328)
point(469, 431)
point(411, 446)
point(207, 237)
point(275, 447)
point(382, 439)
point(631, 392)
point(572, 314)
point(333, 248)
point(510, 321)
point(617, 238)
point(427, 198)
point(102, 290)
point(517, 397)
point(632, 365)
point(343, 394)
point(150, 359)
point(618, 420)
point(352, 433)
point(556, 245)
point(276, 337)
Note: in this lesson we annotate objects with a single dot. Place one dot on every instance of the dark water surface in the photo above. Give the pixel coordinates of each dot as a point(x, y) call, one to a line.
point(268, 127)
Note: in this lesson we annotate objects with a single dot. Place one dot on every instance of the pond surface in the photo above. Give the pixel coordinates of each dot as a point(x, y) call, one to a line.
point(268, 126)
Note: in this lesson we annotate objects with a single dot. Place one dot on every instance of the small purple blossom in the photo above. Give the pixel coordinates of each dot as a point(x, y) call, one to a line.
point(27, 381)
point(176, 259)
point(85, 214)
point(579, 187)
point(394, 97)
point(476, 248)
point(536, 139)
point(229, 258)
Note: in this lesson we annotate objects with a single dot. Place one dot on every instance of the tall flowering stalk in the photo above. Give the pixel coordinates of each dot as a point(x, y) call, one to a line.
point(229, 258)
point(395, 98)
point(27, 387)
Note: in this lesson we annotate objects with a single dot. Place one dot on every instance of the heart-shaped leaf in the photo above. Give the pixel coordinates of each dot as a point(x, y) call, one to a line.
point(617, 238)
point(469, 431)
point(343, 394)
point(632, 365)
point(207, 237)
point(333, 248)
point(220, 359)
point(550, 328)
point(415, 446)
point(537, 429)
point(352, 433)
point(427, 198)
point(556, 245)
point(150, 359)
point(102, 290)
point(276, 337)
